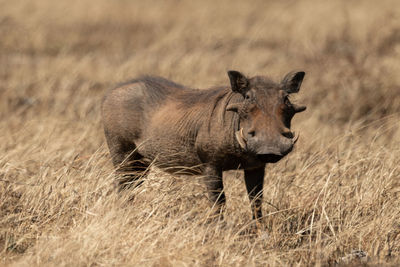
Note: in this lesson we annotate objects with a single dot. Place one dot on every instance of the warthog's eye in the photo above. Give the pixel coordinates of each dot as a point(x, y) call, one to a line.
point(248, 95)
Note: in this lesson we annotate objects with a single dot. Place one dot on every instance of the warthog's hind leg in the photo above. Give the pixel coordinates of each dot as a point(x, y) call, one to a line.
point(215, 187)
point(130, 165)
point(131, 172)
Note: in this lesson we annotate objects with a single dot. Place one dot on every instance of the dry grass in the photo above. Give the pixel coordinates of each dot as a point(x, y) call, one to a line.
point(338, 191)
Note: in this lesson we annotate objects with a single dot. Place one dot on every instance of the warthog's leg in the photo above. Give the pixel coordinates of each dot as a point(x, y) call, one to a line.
point(129, 164)
point(215, 186)
point(254, 183)
point(131, 171)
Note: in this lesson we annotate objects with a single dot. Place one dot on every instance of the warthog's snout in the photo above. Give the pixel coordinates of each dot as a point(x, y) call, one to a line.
point(266, 150)
point(274, 154)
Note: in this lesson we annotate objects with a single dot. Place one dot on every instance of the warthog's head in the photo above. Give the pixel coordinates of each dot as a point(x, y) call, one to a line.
point(265, 114)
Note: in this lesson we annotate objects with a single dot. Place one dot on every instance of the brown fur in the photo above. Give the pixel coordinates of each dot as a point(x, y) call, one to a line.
point(190, 131)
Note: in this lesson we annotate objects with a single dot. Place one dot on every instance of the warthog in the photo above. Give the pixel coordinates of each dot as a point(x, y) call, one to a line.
point(183, 130)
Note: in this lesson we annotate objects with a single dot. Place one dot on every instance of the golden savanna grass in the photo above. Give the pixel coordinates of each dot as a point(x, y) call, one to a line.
point(337, 193)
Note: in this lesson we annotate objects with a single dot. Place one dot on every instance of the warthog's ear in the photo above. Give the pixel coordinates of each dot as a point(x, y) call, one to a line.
point(239, 82)
point(292, 81)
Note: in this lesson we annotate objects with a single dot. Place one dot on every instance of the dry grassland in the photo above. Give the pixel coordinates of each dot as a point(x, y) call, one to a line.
point(338, 192)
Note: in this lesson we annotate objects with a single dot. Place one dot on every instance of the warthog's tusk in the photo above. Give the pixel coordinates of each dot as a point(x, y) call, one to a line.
point(240, 138)
point(242, 135)
point(296, 137)
point(298, 108)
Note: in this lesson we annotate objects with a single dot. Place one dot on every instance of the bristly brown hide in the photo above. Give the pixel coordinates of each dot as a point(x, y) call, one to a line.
point(202, 132)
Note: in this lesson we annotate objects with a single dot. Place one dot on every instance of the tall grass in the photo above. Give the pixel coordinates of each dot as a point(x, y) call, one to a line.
point(334, 199)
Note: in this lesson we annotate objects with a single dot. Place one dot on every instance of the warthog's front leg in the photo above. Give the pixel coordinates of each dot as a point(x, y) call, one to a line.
point(254, 183)
point(215, 186)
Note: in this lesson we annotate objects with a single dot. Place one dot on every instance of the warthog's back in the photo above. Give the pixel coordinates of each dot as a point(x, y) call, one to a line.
point(126, 108)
